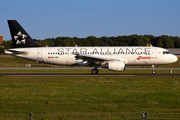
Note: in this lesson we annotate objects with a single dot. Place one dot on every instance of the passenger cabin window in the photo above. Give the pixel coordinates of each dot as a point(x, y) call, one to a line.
point(166, 52)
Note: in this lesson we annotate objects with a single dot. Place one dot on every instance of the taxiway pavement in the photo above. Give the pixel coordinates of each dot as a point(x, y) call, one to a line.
point(76, 68)
point(82, 74)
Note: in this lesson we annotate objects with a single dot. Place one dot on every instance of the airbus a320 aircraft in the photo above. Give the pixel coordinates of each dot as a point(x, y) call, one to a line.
point(112, 58)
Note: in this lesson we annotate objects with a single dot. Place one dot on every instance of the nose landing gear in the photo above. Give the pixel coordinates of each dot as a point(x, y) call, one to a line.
point(153, 69)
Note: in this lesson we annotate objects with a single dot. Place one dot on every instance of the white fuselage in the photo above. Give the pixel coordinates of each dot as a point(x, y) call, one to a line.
point(66, 55)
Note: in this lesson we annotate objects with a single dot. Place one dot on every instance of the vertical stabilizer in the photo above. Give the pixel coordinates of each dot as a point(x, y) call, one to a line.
point(19, 36)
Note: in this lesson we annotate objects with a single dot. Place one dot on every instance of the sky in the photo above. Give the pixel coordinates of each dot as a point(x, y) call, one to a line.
point(82, 18)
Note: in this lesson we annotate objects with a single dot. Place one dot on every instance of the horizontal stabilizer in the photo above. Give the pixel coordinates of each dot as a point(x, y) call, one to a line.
point(15, 52)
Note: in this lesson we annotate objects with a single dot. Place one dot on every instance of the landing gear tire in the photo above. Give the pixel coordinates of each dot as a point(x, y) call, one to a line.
point(94, 71)
point(153, 72)
point(153, 69)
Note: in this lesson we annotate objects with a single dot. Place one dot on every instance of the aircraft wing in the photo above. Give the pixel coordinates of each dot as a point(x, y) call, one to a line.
point(92, 60)
point(90, 57)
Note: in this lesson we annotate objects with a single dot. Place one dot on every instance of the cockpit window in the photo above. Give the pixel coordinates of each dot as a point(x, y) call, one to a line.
point(166, 52)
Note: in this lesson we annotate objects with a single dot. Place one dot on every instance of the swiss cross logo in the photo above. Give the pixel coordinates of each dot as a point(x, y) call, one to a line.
point(140, 57)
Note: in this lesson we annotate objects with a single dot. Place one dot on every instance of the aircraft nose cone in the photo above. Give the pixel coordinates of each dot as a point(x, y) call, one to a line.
point(175, 58)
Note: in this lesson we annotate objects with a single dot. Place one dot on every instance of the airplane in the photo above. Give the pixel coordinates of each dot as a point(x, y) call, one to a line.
point(114, 58)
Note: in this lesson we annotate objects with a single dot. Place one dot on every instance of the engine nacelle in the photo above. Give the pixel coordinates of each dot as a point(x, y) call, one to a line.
point(116, 65)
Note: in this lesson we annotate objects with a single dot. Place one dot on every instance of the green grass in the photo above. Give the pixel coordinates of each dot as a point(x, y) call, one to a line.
point(89, 97)
point(11, 61)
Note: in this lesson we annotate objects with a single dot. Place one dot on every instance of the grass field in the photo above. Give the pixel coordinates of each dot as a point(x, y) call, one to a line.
point(93, 97)
point(11, 61)
point(89, 97)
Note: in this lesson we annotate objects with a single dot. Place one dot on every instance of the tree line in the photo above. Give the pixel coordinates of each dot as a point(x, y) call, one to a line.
point(132, 40)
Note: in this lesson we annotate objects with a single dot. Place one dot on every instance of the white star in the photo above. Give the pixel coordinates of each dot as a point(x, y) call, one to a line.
point(22, 36)
point(18, 42)
point(16, 37)
point(23, 41)
point(19, 33)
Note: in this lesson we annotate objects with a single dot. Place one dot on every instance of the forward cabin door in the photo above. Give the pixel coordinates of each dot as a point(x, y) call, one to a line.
point(153, 53)
point(39, 53)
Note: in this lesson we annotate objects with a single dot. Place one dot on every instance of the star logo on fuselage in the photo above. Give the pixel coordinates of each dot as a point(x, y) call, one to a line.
point(20, 38)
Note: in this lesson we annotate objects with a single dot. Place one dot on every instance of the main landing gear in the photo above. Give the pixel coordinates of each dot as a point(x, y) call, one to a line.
point(153, 69)
point(94, 71)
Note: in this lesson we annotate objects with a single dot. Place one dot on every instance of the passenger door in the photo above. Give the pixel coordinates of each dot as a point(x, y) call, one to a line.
point(39, 53)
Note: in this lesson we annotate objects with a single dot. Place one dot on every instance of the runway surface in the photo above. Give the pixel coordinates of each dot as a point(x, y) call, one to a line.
point(82, 74)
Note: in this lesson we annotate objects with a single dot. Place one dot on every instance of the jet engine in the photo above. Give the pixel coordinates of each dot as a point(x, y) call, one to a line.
point(116, 65)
